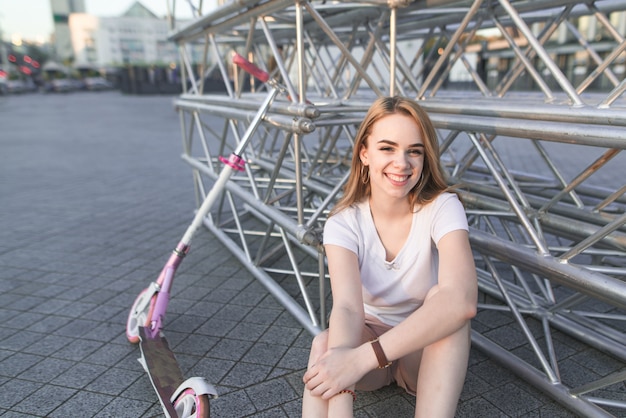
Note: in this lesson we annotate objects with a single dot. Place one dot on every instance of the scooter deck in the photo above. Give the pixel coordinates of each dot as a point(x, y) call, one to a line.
point(162, 367)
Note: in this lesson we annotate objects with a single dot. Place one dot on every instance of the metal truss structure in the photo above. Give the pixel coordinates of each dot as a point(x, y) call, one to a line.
point(528, 98)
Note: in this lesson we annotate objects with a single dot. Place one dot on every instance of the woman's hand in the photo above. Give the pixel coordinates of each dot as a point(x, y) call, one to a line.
point(337, 369)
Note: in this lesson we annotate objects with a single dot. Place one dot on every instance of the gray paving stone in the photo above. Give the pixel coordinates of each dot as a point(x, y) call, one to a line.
point(103, 312)
point(44, 400)
point(508, 338)
point(233, 404)
point(52, 305)
point(179, 305)
point(512, 399)
point(264, 353)
point(76, 309)
point(272, 393)
point(479, 407)
point(187, 323)
point(232, 312)
point(114, 381)
point(75, 327)
point(244, 374)
point(295, 358)
point(124, 407)
point(204, 308)
point(293, 408)
point(213, 369)
point(6, 315)
point(14, 365)
point(5, 353)
point(575, 374)
point(247, 298)
point(154, 411)
point(15, 390)
point(396, 406)
point(47, 345)
point(492, 373)
point(49, 324)
point(141, 389)
point(262, 315)
point(46, 370)
point(230, 349)
point(79, 375)
point(14, 414)
point(280, 372)
point(273, 413)
point(18, 340)
point(104, 331)
point(474, 386)
point(83, 404)
point(247, 331)
point(196, 344)
point(195, 293)
point(553, 410)
point(109, 354)
point(600, 363)
point(78, 349)
point(280, 335)
point(23, 320)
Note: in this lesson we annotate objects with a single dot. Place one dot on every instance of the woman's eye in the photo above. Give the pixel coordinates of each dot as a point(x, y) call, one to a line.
point(416, 152)
point(386, 149)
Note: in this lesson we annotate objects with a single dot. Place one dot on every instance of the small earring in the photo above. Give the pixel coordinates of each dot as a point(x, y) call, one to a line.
point(365, 174)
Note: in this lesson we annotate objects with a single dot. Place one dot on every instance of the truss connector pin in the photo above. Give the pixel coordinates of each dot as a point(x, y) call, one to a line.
point(309, 236)
point(303, 125)
point(394, 4)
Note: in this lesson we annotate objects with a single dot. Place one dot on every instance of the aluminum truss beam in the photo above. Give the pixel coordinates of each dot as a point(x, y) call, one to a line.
point(529, 101)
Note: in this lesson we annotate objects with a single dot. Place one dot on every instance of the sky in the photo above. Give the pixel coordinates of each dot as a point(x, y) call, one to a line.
point(32, 19)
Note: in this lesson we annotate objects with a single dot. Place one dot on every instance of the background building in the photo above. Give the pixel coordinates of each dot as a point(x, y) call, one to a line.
point(131, 50)
point(61, 10)
point(138, 37)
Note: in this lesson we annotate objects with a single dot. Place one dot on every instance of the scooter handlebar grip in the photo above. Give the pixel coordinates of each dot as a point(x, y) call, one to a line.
point(250, 68)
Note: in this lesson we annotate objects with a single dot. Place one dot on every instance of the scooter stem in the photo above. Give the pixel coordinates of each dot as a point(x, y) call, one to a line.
point(225, 174)
point(164, 283)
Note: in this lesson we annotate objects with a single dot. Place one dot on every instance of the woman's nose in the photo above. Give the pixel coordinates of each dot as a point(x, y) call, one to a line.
point(401, 160)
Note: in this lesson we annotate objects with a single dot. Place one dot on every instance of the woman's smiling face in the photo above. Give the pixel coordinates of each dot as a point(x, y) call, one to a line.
point(394, 155)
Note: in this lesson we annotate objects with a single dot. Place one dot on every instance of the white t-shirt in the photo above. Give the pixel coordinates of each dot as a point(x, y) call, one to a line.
point(393, 290)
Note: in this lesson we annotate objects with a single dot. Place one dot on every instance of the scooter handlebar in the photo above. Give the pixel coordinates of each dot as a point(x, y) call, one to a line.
point(250, 68)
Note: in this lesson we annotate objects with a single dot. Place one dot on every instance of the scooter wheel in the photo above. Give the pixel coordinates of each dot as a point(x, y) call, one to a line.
point(137, 317)
point(190, 405)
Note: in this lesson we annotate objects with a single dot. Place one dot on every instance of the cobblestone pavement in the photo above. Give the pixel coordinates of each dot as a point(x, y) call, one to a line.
point(93, 197)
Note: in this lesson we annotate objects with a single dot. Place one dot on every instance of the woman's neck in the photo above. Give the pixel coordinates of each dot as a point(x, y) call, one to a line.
point(389, 207)
point(392, 220)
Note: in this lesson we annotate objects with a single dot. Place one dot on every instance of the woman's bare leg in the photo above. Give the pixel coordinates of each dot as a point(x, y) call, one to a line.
point(314, 406)
point(442, 375)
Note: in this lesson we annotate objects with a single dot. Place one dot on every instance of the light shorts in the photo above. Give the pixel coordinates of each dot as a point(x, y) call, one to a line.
point(402, 371)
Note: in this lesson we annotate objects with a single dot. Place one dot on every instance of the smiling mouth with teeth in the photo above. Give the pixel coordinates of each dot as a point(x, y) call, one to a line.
point(395, 177)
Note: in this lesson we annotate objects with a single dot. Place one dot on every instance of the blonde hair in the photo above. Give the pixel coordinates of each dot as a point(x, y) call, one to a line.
point(432, 182)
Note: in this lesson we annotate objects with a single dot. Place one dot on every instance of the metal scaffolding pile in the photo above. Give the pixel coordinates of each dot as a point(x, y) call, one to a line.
point(532, 139)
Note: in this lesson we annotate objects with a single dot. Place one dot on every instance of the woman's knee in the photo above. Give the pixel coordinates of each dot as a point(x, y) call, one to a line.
point(319, 345)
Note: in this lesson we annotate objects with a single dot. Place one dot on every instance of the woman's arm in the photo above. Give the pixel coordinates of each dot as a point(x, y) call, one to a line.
point(447, 308)
point(347, 315)
point(337, 369)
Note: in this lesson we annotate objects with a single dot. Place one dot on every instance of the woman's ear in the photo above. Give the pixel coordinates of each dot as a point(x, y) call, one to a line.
point(363, 155)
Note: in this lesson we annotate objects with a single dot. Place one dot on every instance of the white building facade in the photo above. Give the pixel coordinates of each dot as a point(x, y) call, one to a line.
point(132, 39)
point(61, 11)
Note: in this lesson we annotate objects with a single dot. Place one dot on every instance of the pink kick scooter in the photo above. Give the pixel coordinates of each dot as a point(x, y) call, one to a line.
point(179, 397)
